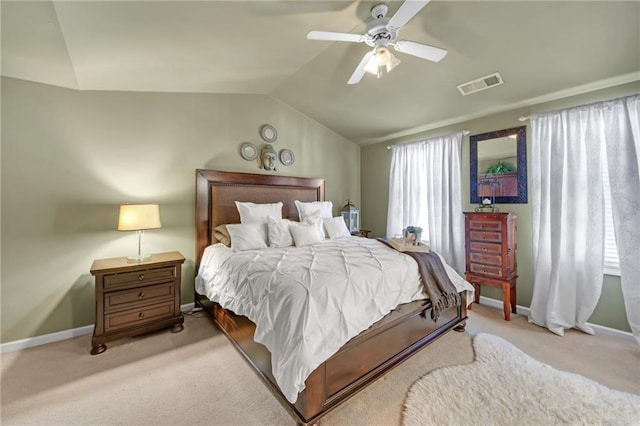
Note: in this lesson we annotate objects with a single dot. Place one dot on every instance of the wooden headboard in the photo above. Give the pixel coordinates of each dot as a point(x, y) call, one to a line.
point(217, 192)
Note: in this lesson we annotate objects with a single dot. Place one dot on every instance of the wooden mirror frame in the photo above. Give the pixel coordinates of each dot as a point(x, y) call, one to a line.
point(521, 167)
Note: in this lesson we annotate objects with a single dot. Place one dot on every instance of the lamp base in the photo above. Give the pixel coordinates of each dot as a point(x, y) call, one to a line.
point(139, 258)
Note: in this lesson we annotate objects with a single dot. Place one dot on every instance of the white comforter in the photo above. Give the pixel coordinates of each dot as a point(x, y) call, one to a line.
point(307, 302)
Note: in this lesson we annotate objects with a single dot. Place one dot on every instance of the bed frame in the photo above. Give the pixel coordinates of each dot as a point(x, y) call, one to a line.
point(363, 359)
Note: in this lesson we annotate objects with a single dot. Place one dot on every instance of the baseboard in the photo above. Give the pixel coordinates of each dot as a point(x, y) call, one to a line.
point(31, 342)
point(599, 329)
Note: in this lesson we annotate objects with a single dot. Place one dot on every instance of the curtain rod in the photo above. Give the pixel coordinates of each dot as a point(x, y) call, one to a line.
point(464, 132)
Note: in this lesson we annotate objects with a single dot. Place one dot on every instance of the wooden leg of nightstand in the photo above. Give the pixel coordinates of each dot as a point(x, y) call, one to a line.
point(513, 297)
point(506, 300)
point(98, 349)
point(177, 328)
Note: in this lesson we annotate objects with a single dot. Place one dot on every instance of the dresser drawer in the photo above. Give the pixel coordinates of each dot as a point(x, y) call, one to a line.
point(143, 295)
point(486, 259)
point(490, 271)
point(136, 317)
point(494, 237)
point(485, 225)
point(486, 248)
point(139, 277)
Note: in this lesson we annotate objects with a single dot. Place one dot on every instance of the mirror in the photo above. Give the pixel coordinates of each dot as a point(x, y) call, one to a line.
point(498, 162)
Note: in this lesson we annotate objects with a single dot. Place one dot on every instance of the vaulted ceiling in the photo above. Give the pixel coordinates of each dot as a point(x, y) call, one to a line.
point(542, 49)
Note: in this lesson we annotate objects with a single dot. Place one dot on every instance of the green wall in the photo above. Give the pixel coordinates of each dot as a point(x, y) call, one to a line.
point(70, 158)
point(375, 160)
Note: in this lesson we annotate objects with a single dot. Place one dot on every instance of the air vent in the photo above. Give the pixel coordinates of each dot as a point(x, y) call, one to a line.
point(481, 83)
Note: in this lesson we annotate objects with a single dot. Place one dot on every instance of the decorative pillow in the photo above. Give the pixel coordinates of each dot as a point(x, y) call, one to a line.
point(278, 232)
point(252, 212)
point(336, 227)
point(305, 234)
point(316, 220)
point(248, 236)
point(309, 208)
point(222, 234)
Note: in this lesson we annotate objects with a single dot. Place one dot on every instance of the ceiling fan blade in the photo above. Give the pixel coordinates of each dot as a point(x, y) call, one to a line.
point(407, 10)
point(420, 50)
point(327, 35)
point(359, 72)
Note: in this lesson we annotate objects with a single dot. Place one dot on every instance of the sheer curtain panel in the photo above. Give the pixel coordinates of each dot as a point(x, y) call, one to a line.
point(425, 190)
point(622, 135)
point(568, 210)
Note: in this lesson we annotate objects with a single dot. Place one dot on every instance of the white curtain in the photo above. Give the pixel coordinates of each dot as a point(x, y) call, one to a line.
point(568, 212)
point(425, 190)
point(622, 135)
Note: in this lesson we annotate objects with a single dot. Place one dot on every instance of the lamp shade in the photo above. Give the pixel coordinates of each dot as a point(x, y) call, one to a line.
point(136, 217)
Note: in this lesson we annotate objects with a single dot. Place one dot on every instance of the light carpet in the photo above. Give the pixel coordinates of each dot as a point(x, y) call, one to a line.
point(503, 385)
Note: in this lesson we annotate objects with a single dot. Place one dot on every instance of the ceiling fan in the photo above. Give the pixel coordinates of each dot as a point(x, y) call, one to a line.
point(383, 32)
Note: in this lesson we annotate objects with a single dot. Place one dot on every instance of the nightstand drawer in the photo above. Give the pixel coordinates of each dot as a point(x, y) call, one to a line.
point(485, 225)
point(487, 259)
point(495, 237)
point(144, 295)
point(139, 277)
point(135, 317)
point(492, 271)
point(486, 248)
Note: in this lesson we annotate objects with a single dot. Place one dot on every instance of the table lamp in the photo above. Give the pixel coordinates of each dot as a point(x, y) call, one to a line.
point(138, 217)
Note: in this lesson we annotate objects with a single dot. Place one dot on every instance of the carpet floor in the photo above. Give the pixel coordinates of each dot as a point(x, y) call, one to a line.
point(505, 383)
point(196, 377)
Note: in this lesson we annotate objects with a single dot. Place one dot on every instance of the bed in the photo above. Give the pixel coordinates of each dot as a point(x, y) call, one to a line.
point(360, 361)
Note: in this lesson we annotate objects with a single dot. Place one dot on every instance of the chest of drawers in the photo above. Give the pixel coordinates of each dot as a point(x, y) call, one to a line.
point(136, 297)
point(491, 254)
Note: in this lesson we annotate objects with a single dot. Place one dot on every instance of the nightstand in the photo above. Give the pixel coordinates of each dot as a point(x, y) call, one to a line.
point(361, 233)
point(133, 298)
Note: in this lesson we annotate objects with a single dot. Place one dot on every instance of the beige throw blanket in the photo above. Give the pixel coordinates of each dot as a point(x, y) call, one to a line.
point(437, 285)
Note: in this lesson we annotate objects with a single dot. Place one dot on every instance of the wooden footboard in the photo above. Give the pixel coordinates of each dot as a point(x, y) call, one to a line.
point(359, 362)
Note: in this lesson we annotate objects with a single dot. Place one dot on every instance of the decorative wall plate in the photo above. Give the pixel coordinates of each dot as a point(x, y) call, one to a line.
point(269, 133)
point(287, 157)
point(248, 151)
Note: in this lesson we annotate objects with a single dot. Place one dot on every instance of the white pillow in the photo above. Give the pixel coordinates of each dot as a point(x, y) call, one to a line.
point(278, 232)
point(336, 227)
point(309, 208)
point(305, 234)
point(248, 236)
point(316, 220)
point(252, 212)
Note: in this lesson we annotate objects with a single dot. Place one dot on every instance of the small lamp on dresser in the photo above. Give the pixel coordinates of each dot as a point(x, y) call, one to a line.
point(139, 217)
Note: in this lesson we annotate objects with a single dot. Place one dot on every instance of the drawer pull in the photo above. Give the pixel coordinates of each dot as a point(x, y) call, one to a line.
point(140, 277)
point(484, 249)
point(484, 238)
point(485, 271)
point(141, 295)
point(141, 314)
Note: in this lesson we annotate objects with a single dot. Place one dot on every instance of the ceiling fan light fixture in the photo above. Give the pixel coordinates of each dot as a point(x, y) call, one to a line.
point(381, 59)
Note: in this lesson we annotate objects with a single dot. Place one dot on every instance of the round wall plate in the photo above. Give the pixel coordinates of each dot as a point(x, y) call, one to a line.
point(269, 133)
point(287, 157)
point(248, 151)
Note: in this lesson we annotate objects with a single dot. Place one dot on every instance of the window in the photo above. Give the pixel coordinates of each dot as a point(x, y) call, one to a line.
point(611, 260)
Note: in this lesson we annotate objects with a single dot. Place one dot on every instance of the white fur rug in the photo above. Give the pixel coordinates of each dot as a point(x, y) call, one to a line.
point(504, 386)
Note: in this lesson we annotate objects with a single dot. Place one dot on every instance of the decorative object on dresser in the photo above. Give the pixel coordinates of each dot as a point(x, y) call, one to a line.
point(136, 298)
point(491, 254)
point(351, 216)
point(139, 217)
